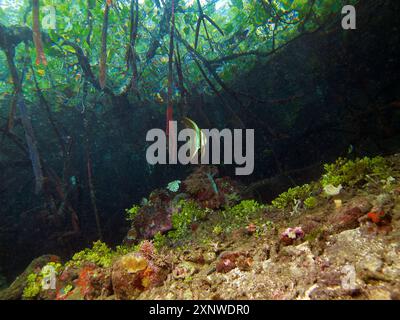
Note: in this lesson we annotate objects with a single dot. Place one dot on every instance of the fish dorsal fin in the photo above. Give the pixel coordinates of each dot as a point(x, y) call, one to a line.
point(200, 138)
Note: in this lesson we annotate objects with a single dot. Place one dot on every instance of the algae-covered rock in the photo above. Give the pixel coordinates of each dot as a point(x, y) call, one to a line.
point(86, 282)
point(231, 260)
point(135, 273)
point(16, 289)
point(185, 270)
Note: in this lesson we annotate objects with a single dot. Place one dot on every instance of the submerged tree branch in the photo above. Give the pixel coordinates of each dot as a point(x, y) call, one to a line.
point(162, 31)
point(26, 123)
point(103, 52)
point(37, 36)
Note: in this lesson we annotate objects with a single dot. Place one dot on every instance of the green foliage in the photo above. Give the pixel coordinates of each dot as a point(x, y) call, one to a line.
point(132, 212)
point(288, 198)
point(67, 289)
point(231, 199)
point(33, 284)
point(159, 240)
point(246, 24)
point(262, 227)
point(342, 172)
point(218, 229)
point(238, 216)
point(245, 209)
point(310, 202)
point(32, 287)
point(353, 172)
point(122, 250)
point(100, 255)
point(187, 212)
point(50, 266)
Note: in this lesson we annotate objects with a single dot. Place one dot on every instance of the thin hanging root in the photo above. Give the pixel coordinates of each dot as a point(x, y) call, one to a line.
point(131, 53)
point(90, 171)
point(170, 68)
point(103, 56)
point(235, 117)
point(214, 24)
point(181, 81)
point(11, 115)
point(37, 36)
point(93, 195)
point(196, 41)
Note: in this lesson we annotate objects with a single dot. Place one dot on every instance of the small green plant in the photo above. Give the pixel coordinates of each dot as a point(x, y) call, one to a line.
point(238, 216)
point(289, 198)
point(159, 240)
point(32, 287)
point(100, 255)
point(352, 172)
point(68, 288)
point(231, 199)
point(132, 212)
point(187, 212)
point(122, 250)
point(262, 228)
point(218, 229)
point(245, 209)
point(310, 202)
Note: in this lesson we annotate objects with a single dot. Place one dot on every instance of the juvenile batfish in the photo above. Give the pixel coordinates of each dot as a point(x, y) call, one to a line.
point(200, 140)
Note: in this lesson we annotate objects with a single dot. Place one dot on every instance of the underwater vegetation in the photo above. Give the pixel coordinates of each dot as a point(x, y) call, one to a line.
point(249, 236)
point(100, 254)
point(35, 281)
point(186, 213)
point(132, 212)
point(342, 173)
point(84, 84)
point(351, 172)
point(291, 197)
